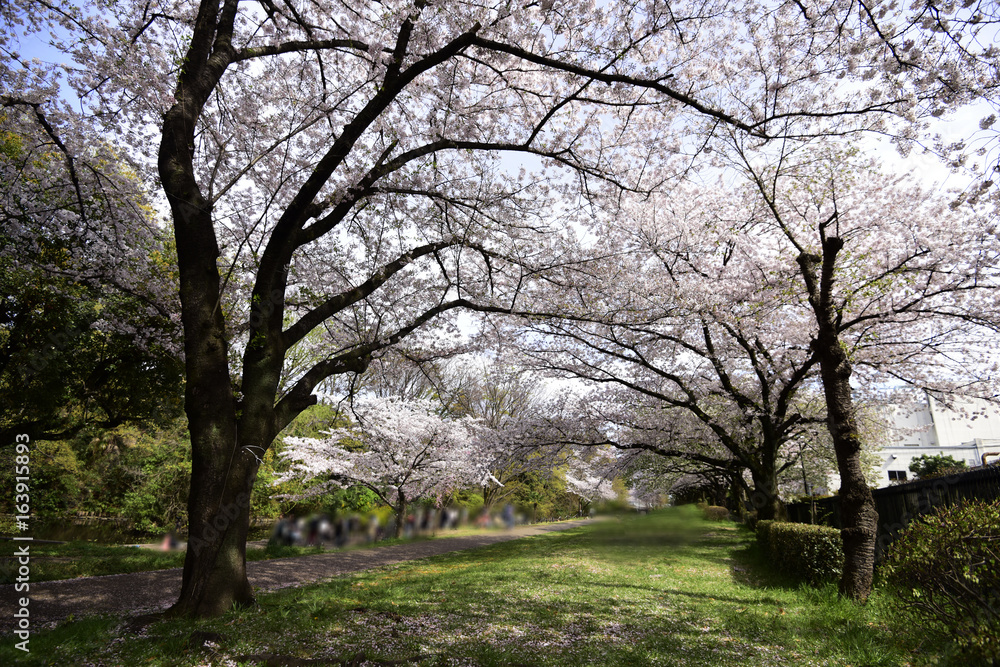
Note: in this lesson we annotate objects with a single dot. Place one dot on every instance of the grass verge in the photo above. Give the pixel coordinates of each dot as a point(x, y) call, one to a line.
point(665, 589)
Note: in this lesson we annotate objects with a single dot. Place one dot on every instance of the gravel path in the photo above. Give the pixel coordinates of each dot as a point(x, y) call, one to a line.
point(144, 592)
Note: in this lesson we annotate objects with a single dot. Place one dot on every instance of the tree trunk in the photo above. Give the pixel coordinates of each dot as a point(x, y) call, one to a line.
point(859, 519)
point(215, 577)
point(222, 473)
point(764, 498)
point(401, 506)
point(739, 499)
point(489, 496)
point(221, 478)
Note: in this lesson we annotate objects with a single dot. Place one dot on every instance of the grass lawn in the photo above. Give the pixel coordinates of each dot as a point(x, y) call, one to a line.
point(664, 589)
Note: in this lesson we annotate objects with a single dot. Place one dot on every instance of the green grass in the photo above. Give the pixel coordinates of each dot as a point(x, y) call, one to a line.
point(81, 559)
point(667, 589)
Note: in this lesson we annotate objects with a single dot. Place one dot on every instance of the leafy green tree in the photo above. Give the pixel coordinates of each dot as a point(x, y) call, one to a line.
point(162, 472)
point(139, 474)
point(142, 475)
point(927, 466)
point(355, 499)
point(545, 495)
point(86, 334)
point(62, 369)
point(56, 479)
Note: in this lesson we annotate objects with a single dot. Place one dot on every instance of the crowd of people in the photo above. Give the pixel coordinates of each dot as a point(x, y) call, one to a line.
point(343, 530)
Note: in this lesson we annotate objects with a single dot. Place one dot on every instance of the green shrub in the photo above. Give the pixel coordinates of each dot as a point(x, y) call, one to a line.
point(763, 530)
point(715, 513)
point(945, 569)
point(813, 554)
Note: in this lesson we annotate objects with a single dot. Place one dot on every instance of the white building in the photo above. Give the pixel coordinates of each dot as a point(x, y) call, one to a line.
point(966, 431)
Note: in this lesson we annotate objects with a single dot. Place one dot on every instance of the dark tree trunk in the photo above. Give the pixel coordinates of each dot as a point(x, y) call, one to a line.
point(227, 436)
point(401, 505)
point(859, 518)
point(739, 499)
point(215, 578)
point(857, 506)
point(489, 496)
point(222, 474)
point(764, 497)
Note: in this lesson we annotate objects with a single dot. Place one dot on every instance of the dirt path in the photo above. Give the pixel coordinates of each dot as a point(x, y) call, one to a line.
point(144, 592)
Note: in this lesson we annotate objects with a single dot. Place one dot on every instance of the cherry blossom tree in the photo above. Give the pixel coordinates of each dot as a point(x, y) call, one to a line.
point(670, 311)
point(693, 450)
point(616, 433)
point(665, 449)
point(953, 45)
point(507, 401)
point(544, 445)
point(332, 170)
point(400, 450)
point(727, 302)
point(662, 445)
point(504, 400)
point(902, 285)
point(590, 473)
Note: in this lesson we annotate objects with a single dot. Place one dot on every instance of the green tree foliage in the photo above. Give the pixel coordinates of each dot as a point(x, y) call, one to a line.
point(62, 370)
point(56, 479)
point(354, 500)
point(159, 468)
point(262, 503)
point(544, 496)
point(86, 336)
point(927, 466)
point(140, 475)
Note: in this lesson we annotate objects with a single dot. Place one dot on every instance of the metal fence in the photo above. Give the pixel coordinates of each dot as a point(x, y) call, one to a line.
point(898, 505)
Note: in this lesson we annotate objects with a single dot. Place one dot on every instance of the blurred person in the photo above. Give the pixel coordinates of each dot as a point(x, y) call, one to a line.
point(508, 516)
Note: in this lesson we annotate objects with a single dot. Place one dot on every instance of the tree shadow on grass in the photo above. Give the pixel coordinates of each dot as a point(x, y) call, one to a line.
point(689, 594)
